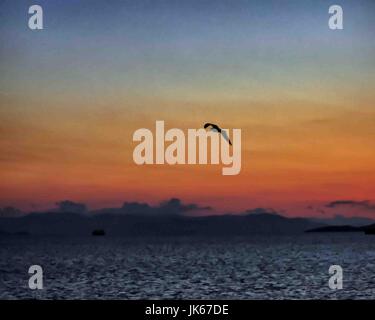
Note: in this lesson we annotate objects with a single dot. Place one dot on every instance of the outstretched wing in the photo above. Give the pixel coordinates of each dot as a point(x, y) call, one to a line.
point(225, 136)
point(206, 125)
point(214, 126)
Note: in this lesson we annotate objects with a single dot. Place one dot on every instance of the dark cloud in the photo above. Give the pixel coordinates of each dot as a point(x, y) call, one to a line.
point(365, 204)
point(261, 211)
point(136, 208)
point(70, 206)
point(173, 206)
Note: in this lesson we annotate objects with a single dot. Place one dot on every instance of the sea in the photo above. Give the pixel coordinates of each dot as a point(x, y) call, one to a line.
point(255, 267)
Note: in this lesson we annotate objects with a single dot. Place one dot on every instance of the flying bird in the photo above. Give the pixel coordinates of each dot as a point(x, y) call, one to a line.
point(216, 128)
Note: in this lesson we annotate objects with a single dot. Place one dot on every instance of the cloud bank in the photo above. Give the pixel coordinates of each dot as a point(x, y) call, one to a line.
point(365, 204)
point(173, 206)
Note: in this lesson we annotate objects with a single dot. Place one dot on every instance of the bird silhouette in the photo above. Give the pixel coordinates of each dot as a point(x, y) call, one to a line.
point(215, 127)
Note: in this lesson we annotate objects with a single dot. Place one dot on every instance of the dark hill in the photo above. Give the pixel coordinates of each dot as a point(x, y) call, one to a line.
point(369, 229)
point(155, 225)
point(336, 229)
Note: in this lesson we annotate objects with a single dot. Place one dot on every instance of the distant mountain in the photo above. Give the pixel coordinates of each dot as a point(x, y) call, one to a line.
point(138, 225)
point(369, 229)
point(340, 220)
point(336, 229)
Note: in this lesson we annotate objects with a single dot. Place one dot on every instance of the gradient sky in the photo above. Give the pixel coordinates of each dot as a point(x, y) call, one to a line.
point(72, 95)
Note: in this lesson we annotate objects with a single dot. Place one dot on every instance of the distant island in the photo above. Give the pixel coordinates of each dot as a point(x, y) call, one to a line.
point(369, 229)
point(168, 219)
